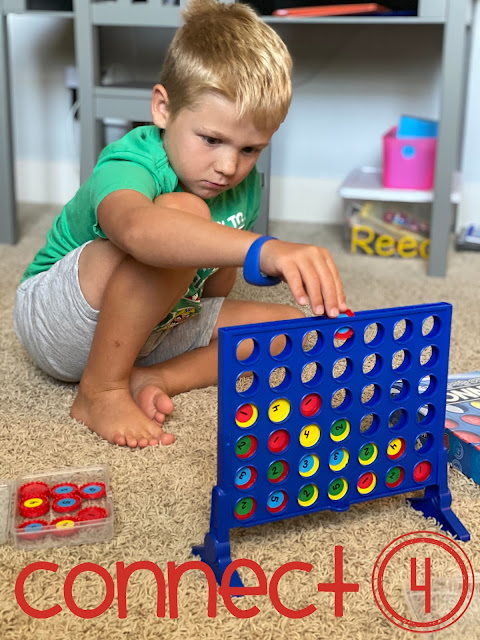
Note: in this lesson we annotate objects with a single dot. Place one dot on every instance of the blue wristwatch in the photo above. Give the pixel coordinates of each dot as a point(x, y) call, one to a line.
point(251, 268)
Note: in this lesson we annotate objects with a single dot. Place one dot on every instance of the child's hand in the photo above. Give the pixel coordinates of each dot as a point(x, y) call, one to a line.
point(309, 271)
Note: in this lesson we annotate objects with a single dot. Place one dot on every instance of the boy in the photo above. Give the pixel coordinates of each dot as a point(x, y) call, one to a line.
point(157, 232)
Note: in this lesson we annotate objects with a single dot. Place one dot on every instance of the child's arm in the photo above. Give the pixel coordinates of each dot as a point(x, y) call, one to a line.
point(166, 234)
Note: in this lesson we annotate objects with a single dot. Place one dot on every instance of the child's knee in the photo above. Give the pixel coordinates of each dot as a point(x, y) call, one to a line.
point(296, 313)
point(96, 264)
point(185, 202)
point(288, 312)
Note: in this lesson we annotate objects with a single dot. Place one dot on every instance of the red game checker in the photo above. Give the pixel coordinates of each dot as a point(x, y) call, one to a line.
point(33, 489)
point(33, 529)
point(345, 332)
point(310, 405)
point(33, 507)
point(63, 489)
point(278, 441)
point(91, 513)
point(67, 504)
point(92, 490)
point(64, 526)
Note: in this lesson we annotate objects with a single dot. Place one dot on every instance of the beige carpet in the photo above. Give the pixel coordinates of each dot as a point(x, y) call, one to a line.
point(162, 496)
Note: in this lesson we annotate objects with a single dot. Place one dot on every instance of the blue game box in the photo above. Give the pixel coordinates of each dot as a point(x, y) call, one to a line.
point(462, 423)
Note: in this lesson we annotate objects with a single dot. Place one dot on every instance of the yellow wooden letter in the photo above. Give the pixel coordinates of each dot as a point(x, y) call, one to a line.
point(385, 245)
point(363, 242)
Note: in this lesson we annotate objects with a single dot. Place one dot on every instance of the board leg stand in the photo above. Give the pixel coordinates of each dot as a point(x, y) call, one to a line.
point(215, 550)
point(436, 503)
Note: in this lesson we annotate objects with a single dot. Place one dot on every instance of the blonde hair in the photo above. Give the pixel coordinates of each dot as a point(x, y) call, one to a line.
point(227, 49)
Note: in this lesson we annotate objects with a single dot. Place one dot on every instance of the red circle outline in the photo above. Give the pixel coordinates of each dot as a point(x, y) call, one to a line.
point(463, 568)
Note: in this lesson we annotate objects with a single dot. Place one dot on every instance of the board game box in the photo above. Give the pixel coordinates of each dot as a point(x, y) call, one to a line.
point(462, 423)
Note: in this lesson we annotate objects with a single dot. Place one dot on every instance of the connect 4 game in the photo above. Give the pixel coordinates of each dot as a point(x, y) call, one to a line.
point(321, 413)
point(462, 423)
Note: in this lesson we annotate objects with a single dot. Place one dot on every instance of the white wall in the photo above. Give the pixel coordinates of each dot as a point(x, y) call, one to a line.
point(469, 210)
point(350, 85)
point(44, 139)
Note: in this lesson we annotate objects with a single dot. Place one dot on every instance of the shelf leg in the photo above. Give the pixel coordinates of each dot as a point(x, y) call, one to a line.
point(8, 218)
point(450, 127)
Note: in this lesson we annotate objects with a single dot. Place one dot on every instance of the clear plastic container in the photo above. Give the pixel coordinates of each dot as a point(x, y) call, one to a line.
point(57, 507)
point(444, 597)
point(5, 509)
point(387, 222)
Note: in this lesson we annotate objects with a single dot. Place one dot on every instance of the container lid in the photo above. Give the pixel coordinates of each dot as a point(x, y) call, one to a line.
point(5, 509)
point(365, 183)
point(412, 127)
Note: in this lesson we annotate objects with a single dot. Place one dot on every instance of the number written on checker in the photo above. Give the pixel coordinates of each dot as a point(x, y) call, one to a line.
point(279, 410)
point(396, 448)
point(309, 465)
point(366, 483)
point(310, 435)
point(368, 454)
point(339, 430)
point(338, 459)
point(245, 508)
point(337, 489)
point(246, 447)
point(307, 495)
point(277, 501)
point(278, 441)
point(246, 415)
point(310, 405)
point(277, 471)
point(245, 477)
point(395, 477)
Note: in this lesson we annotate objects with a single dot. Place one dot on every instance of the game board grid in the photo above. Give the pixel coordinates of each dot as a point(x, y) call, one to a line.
point(326, 352)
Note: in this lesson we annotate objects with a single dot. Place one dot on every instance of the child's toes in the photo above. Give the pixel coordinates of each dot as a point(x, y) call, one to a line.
point(157, 433)
point(119, 439)
point(132, 441)
point(167, 438)
point(159, 418)
point(163, 403)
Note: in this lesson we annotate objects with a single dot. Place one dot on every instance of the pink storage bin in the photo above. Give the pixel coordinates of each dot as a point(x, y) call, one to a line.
point(408, 163)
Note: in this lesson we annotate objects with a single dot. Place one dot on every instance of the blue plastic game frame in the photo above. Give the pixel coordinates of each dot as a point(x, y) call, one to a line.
point(381, 377)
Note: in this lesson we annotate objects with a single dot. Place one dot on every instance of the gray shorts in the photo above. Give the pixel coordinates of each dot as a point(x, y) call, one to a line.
point(55, 323)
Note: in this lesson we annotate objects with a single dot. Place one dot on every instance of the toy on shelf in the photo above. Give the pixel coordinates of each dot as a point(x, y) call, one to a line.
point(404, 220)
point(335, 418)
point(409, 154)
point(362, 9)
point(42, 509)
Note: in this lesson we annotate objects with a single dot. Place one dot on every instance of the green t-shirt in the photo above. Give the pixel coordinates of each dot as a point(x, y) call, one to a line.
point(138, 162)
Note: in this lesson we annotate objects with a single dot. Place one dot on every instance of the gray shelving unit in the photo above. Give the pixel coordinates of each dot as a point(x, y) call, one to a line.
point(133, 103)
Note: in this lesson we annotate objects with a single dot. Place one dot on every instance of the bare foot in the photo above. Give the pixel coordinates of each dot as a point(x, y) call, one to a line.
point(147, 392)
point(114, 415)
